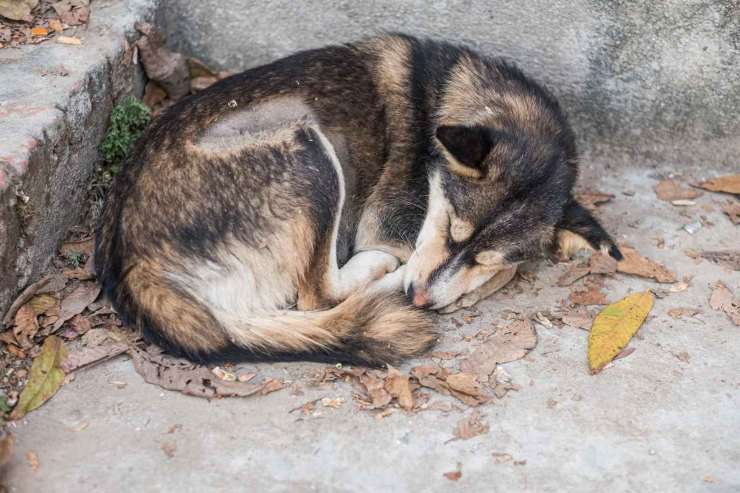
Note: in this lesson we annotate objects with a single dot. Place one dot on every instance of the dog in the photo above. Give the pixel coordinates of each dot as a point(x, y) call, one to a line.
point(320, 206)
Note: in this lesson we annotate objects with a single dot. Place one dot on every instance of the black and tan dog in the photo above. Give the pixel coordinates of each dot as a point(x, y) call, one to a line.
point(283, 211)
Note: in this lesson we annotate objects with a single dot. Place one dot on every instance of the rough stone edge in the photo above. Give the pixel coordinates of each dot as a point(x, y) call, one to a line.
point(35, 211)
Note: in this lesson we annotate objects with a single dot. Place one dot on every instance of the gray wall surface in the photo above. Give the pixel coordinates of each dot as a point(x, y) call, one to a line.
point(657, 81)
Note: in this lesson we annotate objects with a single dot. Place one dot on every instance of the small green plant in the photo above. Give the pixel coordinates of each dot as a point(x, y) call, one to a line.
point(128, 119)
point(74, 259)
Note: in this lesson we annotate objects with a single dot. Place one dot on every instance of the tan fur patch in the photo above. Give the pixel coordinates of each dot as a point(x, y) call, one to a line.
point(489, 258)
point(570, 243)
point(461, 230)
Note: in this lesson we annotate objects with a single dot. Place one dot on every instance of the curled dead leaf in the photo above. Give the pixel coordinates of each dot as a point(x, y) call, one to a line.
point(637, 265)
point(679, 313)
point(49, 284)
point(670, 190)
point(723, 300)
point(732, 209)
point(469, 427)
point(181, 375)
point(590, 200)
point(161, 64)
point(725, 184)
point(26, 326)
point(592, 295)
point(399, 387)
point(74, 303)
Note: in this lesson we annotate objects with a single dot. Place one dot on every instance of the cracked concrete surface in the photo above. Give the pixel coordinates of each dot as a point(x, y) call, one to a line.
point(653, 421)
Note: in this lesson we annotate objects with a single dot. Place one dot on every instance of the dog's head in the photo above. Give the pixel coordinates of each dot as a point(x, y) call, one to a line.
point(500, 194)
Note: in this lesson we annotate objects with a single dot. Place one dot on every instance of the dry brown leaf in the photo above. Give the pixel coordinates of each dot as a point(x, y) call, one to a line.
point(726, 258)
point(197, 68)
point(88, 356)
point(76, 302)
point(732, 209)
point(43, 304)
point(154, 95)
point(506, 344)
point(590, 200)
point(26, 326)
point(466, 383)
point(722, 299)
point(602, 263)
point(725, 184)
point(56, 25)
point(578, 318)
point(456, 474)
point(469, 427)
point(76, 247)
point(269, 386)
point(637, 265)
point(182, 375)
point(681, 312)
point(398, 386)
point(375, 388)
point(592, 295)
point(72, 12)
point(49, 284)
point(68, 40)
point(669, 190)
point(574, 273)
point(443, 355)
point(161, 64)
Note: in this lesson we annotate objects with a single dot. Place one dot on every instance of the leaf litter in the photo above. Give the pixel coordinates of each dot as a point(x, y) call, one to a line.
point(723, 300)
point(724, 184)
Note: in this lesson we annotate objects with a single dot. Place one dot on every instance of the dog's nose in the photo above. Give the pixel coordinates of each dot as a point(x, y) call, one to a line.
point(418, 296)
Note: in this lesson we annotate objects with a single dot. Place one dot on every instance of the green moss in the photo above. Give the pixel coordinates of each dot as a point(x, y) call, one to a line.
point(128, 119)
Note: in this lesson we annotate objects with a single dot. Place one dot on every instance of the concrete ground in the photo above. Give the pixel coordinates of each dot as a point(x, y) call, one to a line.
point(657, 420)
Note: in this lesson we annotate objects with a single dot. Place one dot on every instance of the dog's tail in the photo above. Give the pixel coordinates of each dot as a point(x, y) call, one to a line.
point(372, 328)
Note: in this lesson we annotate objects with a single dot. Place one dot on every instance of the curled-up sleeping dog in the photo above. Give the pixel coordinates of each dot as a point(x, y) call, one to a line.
point(321, 205)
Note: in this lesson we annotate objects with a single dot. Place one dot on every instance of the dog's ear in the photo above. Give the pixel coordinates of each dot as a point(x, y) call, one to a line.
point(579, 230)
point(467, 148)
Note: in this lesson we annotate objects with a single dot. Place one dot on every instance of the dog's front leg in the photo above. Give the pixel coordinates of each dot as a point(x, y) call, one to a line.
point(361, 270)
point(494, 284)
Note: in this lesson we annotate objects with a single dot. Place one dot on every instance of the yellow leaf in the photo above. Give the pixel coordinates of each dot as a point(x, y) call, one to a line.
point(613, 328)
point(46, 377)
